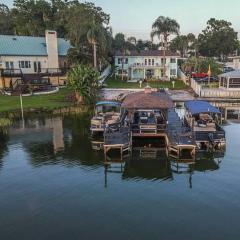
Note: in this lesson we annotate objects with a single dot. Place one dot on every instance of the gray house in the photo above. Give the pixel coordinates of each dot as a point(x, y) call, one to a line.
point(230, 80)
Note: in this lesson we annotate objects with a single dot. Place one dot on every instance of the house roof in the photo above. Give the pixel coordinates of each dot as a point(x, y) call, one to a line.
point(232, 74)
point(147, 53)
point(148, 100)
point(29, 46)
point(196, 107)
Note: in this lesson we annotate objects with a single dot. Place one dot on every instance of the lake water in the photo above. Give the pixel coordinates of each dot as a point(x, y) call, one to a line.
point(54, 186)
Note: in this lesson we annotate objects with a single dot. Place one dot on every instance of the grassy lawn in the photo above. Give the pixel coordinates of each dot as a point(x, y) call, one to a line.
point(49, 101)
point(117, 83)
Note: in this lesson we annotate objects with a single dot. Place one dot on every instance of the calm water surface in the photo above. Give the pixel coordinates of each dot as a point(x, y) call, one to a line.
point(54, 186)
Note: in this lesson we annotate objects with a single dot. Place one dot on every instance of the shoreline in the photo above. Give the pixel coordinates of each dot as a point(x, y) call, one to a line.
point(61, 100)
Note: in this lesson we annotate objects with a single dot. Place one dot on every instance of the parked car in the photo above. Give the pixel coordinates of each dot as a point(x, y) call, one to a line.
point(199, 75)
point(228, 69)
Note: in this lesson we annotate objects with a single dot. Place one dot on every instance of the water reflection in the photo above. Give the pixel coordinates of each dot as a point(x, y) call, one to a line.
point(51, 177)
point(60, 140)
point(157, 166)
point(4, 137)
point(64, 140)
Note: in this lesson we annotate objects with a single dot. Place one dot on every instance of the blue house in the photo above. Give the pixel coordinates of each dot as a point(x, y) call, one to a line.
point(147, 64)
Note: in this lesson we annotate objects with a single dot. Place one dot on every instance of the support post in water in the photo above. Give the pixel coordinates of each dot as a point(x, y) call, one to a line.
point(21, 103)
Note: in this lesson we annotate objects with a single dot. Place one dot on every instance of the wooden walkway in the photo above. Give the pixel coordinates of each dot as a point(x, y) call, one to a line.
point(180, 138)
point(120, 139)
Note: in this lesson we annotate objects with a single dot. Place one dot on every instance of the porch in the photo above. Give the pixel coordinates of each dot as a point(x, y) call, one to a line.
point(146, 72)
point(14, 81)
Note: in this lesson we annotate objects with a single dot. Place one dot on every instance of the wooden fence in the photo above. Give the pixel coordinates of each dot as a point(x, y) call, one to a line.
point(214, 92)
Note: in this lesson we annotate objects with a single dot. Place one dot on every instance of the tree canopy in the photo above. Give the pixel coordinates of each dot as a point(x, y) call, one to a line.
point(82, 22)
point(218, 39)
point(201, 65)
point(183, 44)
point(71, 19)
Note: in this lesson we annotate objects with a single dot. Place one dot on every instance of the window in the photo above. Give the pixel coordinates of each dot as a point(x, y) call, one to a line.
point(9, 65)
point(149, 62)
point(163, 60)
point(173, 71)
point(27, 64)
point(24, 64)
point(152, 62)
point(146, 62)
point(122, 60)
point(173, 60)
point(234, 83)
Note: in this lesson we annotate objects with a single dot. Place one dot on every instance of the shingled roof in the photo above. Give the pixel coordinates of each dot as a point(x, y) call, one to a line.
point(148, 100)
point(147, 53)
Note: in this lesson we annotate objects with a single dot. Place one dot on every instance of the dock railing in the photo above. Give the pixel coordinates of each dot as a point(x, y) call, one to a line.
point(148, 128)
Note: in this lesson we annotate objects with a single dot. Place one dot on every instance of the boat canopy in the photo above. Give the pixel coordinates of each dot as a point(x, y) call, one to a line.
point(148, 100)
point(196, 107)
point(111, 103)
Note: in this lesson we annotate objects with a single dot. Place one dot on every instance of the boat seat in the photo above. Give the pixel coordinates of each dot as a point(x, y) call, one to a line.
point(111, 121)
point(115, 117)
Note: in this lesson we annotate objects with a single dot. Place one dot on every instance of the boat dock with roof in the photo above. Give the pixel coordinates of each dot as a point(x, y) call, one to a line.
point(150, 114)
point(204, 121)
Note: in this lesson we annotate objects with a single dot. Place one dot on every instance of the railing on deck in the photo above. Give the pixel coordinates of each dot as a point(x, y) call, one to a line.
point(143, 65)
point(43, 71)
point(9, 72)
point(148, 128)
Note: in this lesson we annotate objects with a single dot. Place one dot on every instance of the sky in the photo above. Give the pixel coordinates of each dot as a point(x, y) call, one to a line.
point(135, 17)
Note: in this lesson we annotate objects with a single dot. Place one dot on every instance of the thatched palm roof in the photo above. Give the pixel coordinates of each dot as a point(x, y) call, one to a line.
point(148, 100)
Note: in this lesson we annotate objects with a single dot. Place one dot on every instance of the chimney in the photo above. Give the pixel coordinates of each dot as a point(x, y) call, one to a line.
point(52, 48)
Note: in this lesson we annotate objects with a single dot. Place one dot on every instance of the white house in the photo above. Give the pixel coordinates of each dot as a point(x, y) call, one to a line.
point(147, 64)
point(33, 54)
point(236, 62)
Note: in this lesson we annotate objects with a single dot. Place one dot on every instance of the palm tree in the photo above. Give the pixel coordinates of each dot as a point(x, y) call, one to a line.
point(164, 26)
point(96, 35)
point(132, 40)
point(181, 44)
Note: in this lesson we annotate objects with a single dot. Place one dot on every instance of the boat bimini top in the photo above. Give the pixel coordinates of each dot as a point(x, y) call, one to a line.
point(197, 107)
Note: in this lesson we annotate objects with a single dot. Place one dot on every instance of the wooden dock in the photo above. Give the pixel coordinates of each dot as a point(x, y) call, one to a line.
point(120, 140)
point(180, 140)
point(150, 114)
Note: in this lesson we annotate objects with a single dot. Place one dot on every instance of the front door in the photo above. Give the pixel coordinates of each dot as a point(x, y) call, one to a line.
point(150, 73)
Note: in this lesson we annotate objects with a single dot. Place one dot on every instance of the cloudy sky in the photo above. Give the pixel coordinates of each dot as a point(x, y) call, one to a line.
point(134, 17)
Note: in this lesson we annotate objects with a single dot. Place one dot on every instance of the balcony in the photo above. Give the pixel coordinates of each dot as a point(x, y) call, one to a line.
point(43, 72)
point(9, 72)
point(145, 66)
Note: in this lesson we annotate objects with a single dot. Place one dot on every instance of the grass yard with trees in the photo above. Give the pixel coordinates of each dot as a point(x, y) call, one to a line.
point(118, 83)
point(63, 98)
